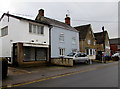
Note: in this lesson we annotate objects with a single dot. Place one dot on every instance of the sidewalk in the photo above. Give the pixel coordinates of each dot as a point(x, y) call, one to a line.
point(23, 75)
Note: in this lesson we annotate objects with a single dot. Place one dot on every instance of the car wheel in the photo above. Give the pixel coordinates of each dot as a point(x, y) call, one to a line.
point(73, 61)
point(87, 61)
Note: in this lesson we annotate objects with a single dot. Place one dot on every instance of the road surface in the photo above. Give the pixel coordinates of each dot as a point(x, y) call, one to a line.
point(103, 76)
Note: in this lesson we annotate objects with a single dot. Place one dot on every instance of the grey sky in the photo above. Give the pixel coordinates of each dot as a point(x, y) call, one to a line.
point(97, 14)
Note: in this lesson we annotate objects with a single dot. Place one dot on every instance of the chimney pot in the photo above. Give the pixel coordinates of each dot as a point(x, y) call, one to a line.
point(67, 20)
point(41, 12)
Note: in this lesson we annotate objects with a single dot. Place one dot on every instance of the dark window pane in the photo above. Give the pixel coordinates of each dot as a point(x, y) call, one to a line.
point(4, 31)
point(34, 28)
point(42, 29)
point(30, 28)
point(87, 51)
point(90, 51)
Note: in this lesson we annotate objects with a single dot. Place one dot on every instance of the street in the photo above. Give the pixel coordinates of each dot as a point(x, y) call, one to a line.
point(102, 76)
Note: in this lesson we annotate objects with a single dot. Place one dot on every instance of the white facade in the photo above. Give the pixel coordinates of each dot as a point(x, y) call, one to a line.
point(63, 41)
point(18, 31)
point(68, 44)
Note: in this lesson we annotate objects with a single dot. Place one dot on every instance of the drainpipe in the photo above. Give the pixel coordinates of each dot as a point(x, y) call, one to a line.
point(50, 27)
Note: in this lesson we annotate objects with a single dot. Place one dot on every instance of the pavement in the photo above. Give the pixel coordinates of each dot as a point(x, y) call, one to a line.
point(23, 75)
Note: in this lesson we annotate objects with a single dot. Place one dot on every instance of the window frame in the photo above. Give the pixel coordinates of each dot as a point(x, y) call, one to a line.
point(89, 42)
point(4, 31)
point(61, 51)
point(61, 37)
point(36, 29)
point(73, 40)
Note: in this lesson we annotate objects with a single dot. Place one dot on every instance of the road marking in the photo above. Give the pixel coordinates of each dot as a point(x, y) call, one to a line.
point(58, 76)
point(54, 77)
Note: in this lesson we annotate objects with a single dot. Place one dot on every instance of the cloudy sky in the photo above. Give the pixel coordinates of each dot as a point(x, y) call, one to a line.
point(97, 13)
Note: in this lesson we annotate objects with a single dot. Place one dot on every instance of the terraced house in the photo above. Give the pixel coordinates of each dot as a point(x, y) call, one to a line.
point(64, 38)
point(103, 44)
point(23, 41)
point(87, 40)
point(34, 42)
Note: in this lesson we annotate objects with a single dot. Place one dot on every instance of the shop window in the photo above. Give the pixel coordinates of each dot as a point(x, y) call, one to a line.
point(34, 54)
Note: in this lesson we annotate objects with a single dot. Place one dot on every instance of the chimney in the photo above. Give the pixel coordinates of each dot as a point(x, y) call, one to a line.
point(67, 20)
point(41, 12)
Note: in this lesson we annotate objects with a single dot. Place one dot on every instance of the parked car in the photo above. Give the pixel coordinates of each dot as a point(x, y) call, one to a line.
point(116, 56)
point(79, 57)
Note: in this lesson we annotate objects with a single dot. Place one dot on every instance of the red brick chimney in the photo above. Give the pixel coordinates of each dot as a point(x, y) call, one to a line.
point(41, 12)
point(67, 20)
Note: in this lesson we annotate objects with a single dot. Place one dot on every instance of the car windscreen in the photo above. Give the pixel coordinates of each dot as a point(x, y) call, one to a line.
point(71, 54)
point(82, 55)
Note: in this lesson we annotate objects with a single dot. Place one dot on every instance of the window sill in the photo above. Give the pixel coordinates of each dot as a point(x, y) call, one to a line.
point(61, 41)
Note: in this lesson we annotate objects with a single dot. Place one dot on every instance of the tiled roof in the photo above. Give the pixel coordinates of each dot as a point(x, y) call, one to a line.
point(56, 23)
point(99, 37)
point(83, 30)
point(21, 18)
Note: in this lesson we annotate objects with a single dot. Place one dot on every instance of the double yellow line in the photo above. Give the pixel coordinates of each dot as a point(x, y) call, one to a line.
point(48, 78)
point(57, 76)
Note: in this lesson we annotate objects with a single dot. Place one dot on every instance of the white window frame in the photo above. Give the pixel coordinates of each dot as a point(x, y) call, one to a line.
point(36, 29)
point(94, 52)
point(89, 41)
point(4, 31)
point(73, 40)
point(61, 51)
point(94, 43)
point(91, 52)
point(61, 37)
